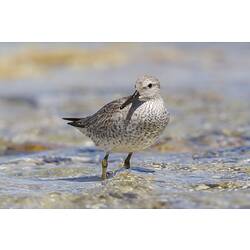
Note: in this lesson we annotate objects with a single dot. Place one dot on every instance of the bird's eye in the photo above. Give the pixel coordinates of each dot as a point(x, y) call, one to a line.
point(150, 85)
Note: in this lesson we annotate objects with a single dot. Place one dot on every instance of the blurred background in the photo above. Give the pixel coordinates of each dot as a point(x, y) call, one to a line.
point(206, 87)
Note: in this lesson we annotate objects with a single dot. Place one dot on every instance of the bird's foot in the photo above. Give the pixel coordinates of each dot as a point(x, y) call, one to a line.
point(107, 175)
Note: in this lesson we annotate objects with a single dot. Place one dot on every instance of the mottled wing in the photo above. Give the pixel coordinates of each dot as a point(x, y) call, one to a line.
point(106, 116)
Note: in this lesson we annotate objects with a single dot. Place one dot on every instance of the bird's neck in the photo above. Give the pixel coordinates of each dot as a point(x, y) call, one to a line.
point(153, 99)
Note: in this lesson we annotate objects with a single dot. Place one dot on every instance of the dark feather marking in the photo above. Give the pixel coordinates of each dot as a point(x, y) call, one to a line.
point(72, 119)
point(77, 122)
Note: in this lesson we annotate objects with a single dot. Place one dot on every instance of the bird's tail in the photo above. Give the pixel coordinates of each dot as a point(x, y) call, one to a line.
point(76, 122)
point(72, 119)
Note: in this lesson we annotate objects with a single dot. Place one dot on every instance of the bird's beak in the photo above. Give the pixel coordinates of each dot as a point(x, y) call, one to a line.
point(130, 99)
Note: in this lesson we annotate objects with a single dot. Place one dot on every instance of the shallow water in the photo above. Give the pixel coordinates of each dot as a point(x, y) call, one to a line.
point(201, 161)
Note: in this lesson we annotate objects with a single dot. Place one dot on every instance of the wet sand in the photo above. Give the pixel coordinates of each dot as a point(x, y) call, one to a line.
point(201, 161)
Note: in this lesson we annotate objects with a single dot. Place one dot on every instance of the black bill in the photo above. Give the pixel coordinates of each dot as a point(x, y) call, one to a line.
point(130, 100)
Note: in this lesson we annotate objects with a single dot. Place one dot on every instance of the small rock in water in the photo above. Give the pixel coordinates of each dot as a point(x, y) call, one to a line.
point(202, 187)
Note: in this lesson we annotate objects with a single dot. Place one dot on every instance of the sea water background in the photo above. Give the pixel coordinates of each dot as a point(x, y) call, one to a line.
point(201, 161)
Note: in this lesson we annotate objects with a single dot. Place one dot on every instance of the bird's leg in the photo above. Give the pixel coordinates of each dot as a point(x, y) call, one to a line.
point(105, 166)
point(127, 161)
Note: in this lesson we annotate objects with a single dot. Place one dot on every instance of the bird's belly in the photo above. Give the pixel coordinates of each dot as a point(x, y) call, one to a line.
point(135, 133)
point(131, 139)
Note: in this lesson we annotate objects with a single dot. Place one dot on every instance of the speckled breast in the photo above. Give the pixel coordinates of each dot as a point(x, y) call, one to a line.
point(134, 131)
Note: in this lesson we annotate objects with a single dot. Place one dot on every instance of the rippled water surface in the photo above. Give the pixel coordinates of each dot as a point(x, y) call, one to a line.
point(201, 161)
